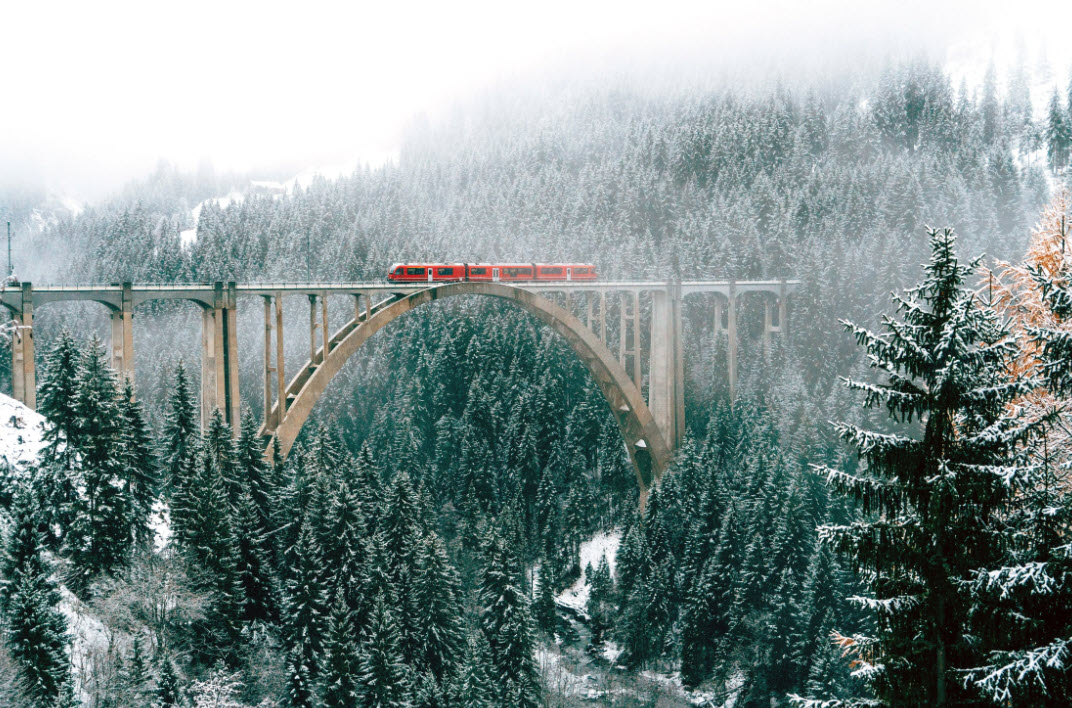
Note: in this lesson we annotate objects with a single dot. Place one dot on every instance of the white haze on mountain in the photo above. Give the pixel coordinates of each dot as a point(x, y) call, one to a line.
point(97, 93)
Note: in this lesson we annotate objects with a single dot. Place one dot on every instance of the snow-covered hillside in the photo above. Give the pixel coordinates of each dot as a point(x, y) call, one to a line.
point(21, 435)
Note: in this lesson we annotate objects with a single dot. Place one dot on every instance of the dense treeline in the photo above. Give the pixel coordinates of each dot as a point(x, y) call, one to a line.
point(484, 433)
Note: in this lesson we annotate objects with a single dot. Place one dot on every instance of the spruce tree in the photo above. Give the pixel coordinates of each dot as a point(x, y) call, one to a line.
point(142, 475)
point(934, 499)
point(181, 437)
point(507, 626)
point(341, 664)
point(34, 630)
point(104, 517)
point(306, 607)
point(440, 632)
point(383, 672)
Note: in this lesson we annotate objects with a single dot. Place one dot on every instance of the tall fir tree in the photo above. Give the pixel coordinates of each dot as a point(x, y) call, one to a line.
point(104, 518)
point(507, 625)
point(383, 677)
point(142, 474)
point(933, 500)
point(34, 629)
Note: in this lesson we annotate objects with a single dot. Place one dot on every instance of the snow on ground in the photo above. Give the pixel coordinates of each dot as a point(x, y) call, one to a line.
point(21, 434)
point(88, 636)
point(160, 525)
point(606, 544)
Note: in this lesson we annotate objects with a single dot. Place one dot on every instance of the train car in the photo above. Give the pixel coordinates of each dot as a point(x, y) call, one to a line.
point(504, 272)
point(426, 273)
point(489, 272)
point(565, 271)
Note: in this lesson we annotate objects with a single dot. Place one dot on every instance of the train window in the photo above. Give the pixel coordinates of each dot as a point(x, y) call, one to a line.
point(553, 271)
point(444, 271)
point(478, 271)
point(414, 271)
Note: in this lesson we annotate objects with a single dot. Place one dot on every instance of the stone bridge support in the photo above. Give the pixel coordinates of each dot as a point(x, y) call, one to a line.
point(121, 345)
point(23, 371)
point(219, 357)
point(666, 387)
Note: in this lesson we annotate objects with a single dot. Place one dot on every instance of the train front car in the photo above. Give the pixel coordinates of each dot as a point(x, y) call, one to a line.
point(426, 273)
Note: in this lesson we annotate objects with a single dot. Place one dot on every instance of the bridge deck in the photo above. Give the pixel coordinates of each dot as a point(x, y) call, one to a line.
point(111, 295)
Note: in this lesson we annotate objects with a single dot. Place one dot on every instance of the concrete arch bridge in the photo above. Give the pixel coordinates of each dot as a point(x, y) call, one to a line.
point(640, 370)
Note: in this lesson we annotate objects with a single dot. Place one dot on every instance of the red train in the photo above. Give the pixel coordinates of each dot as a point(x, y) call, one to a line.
point(505, 272)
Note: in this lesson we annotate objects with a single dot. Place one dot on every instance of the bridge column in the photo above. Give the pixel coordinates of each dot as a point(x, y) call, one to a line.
point(122, 341)
point(23, 370)
point(666, 385)
point(731, 349)
point(219, 358)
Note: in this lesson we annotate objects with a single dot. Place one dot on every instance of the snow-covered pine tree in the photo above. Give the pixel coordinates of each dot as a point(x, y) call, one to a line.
point(383, 672)
point(544, 611)
point(934, 501)
point(507, 626)
point(168, 692)
point(306, 607)
point(600, 605)
point(209, 544)
point(34, 630)
point(441, 632)
point(259, 585)
point(56, 397)
point(103, 519)
point(142, 474)
point(341, 664)
point(181, 436)
point(1058, 133)
point(253, 471)
point(471, 685)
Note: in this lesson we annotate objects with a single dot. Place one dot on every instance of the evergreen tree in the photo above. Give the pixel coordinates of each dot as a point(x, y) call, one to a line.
point(383, 673)
point(168, 693)
point(209, 544)
point(440, 632)
point(306, 608)
point(1058, 133)
point(104, 518)
point(142, 476)
point(507, 626)
point(34, 629)
point(940, 494)
point(341, 657)
point(181, 437)
point(600, 602)
point(544, 611)
point(254, 568)
point(472, 686)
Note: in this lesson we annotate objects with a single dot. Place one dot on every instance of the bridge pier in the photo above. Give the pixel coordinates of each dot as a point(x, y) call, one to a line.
point(122, 340)
point(23, 369)
point(219, 358)
point(666, 385)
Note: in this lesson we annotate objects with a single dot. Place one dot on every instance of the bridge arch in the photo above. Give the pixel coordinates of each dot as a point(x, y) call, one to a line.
point(646, 444)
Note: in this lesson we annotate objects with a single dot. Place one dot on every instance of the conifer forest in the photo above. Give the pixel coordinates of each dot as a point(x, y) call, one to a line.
point(880, 515)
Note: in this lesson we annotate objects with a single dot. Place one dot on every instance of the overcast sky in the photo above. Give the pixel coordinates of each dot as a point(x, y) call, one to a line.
point(95, 93)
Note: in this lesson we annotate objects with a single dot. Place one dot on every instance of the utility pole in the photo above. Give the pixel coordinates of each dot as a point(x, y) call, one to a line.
point(308, 260)
point(10, 268)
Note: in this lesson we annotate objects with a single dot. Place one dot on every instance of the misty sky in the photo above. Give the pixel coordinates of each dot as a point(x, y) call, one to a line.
point(97, 93)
